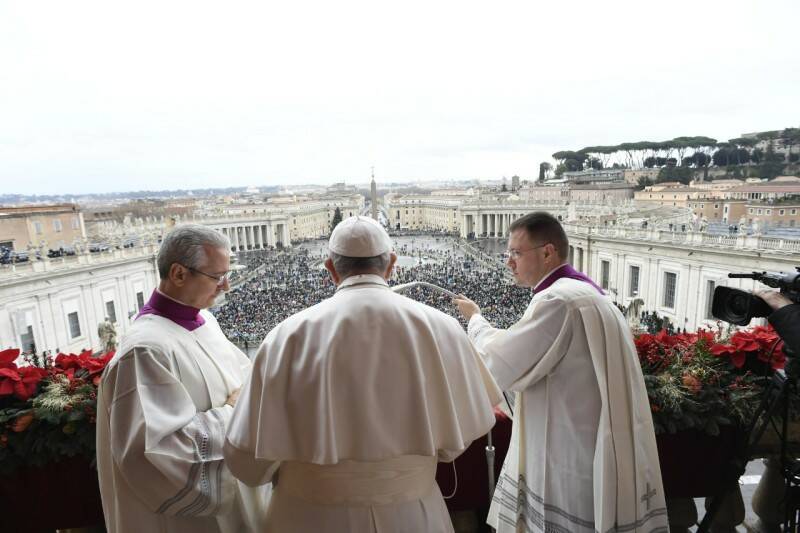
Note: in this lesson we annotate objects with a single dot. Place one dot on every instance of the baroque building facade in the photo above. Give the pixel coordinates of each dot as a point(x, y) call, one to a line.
point(44, 227)
point(57, 304)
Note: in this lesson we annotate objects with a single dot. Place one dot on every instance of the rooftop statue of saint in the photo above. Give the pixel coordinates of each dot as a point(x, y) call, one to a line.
point(108, 335)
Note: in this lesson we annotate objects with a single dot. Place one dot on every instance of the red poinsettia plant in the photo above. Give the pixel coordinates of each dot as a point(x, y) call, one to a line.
point(47, 406)
point(759, 346)
point(703, 381)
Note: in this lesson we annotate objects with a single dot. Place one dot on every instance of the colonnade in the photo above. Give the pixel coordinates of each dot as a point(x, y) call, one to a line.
point(256, 236)
point(488, 224)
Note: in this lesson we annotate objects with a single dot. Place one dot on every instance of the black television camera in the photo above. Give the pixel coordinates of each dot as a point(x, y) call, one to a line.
point(739, 307)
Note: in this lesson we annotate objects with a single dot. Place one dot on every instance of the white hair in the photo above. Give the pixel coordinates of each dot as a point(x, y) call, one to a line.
point(185, 245)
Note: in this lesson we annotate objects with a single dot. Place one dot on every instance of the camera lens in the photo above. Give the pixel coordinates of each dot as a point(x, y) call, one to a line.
point(739, 304)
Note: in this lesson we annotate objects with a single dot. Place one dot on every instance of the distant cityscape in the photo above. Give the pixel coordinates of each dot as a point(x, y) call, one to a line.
point(659, 227)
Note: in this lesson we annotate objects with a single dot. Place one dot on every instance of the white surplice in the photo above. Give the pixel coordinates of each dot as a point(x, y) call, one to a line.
point(582, 456)
point(160, 429)
point(365, 379)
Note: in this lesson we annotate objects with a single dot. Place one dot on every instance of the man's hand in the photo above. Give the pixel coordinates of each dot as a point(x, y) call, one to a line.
point(774, 299)
point(233, 397)
point(466, 307)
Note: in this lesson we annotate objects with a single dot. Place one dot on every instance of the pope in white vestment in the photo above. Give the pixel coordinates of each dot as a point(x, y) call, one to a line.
point(164, 404)
point(355, 400)
point(582, 456)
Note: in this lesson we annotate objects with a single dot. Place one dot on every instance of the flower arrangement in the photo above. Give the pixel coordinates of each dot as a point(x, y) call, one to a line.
point(701, 381)
point(47, 407)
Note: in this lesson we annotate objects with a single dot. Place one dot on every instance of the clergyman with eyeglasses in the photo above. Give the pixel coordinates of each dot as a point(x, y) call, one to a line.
point(166, 399)
point(583, 455)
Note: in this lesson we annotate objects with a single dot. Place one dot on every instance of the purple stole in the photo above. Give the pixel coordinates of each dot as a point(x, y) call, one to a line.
point(185, 316)
point(566, 271)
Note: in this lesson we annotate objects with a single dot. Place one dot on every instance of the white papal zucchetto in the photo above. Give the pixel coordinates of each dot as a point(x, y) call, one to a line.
point(359, 237)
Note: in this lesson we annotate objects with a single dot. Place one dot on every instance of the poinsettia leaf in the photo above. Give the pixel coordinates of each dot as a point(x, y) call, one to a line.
point(76, 415)
point(8, 357)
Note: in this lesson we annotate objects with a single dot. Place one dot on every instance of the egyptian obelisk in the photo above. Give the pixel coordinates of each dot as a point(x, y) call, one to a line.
point(374, 196)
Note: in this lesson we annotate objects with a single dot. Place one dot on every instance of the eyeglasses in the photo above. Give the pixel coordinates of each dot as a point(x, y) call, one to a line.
point(515, 254)
point(220, 278)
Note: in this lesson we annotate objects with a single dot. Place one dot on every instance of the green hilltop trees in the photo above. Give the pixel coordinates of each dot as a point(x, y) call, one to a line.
point(686, 153)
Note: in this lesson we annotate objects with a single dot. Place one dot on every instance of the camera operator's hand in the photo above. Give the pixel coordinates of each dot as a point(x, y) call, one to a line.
point(774, 299)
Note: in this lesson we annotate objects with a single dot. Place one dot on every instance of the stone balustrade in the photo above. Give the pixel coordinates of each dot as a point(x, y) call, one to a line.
point(686, 238)
point(35, 267)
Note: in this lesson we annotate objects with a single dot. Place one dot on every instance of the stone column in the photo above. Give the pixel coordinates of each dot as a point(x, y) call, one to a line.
point(248, 235)
point(229, 233)
point(257, 236)
point(270, 235)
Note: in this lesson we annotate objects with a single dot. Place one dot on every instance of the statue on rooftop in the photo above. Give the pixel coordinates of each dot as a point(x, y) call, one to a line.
point(108, 335)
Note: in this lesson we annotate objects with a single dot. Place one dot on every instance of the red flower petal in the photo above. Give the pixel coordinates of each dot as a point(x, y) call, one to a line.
point(6, 387)
point(10, 373)
point(7, 357)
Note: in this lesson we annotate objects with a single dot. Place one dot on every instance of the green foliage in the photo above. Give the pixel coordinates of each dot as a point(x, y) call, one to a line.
point(568, 154)
point(543, 168)
point(337, 217)
point(772, 164)
point(643, 182)
point(594, 163)
point(690, 388)
point(682, 174)
point(63, 424)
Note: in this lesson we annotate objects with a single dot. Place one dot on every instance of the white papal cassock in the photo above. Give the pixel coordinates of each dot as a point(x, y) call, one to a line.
point(160, 429)
point(357, 398)
point(582, 456)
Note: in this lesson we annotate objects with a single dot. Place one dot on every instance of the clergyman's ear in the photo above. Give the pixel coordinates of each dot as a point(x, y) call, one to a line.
point(330, 268)
point(390, 268)
point(178, 274)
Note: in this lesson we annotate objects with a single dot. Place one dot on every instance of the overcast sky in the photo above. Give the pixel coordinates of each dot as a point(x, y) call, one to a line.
point(99, 96)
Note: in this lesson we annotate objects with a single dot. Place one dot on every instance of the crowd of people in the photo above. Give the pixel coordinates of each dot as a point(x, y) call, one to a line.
point(281, 283)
